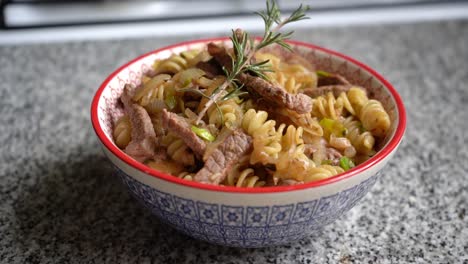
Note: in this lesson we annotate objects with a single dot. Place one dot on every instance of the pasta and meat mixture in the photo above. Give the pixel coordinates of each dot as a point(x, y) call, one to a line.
point(295, 125)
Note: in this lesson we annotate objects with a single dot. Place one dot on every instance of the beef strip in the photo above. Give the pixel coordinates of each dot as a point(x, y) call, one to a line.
point(309, 150)
point(334, 155)
point(182, 129)
point(143, 145)
point(299, 103)
point(211, 68)
point(223, 158)
point(332, 79)
point(220, 55)
point(322, 90)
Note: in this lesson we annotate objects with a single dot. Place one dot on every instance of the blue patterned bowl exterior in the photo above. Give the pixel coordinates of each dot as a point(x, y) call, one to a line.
point(246, 218)
point(246, 226)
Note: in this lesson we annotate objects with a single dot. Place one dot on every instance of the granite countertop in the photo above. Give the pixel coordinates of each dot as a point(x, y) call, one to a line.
point(60, 203)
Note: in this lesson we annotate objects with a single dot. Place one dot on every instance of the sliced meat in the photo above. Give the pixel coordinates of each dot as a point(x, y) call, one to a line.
point(332, 79)
point(309, 149)
point(143, 145)
point(182, 129)
point(220, 55)
point(223, 158)
point(299, 103)
point(211, 68)
point(323, 90)
point(334, 155)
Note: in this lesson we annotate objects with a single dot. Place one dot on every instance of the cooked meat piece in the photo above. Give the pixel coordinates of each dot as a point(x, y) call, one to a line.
point(182, 129)
point(299, 103)
point(223, 158)
point(323, 90)
point(309, 149)
point(144, 143)
point(334, 155)
point(220, 55)
point(211, 68)
point(333, 79)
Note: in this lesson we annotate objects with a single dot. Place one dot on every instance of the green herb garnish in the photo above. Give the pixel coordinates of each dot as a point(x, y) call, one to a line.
point(203, 133)
point(323, 74)
point(245, 48)
point(331, 126)
point(346, 163)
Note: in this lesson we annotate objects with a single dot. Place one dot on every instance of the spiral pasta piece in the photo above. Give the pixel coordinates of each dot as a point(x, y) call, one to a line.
point(358, 98)
point(253, 121)
point(122, 132)
point(292, 161)
point(292, 164)
point(322, 172)
point(290, 76)
point(178, 150)
point(229, 114)
point(374, 118)
point(175, 63)
point(327, 106)
point(292, 138)
point(362, 140)
point(266, 139)
point(186, 77)
point(186, 176)
point(247, 178)
point(266, 147)
point(152, 90)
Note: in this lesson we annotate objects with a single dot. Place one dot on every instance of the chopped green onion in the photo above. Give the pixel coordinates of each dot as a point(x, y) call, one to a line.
point(334, 127)
point(187, 82)
point(362, 129)
point(346, 163)
point(327, 123)
point(323, 74)
point(327, 162)
point(203, 133)
point(170, 101)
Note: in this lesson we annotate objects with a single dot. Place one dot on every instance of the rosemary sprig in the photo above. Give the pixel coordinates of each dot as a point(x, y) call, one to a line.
point(245, 48)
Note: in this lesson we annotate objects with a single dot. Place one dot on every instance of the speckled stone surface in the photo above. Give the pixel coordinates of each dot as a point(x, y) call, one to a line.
point(60, 203)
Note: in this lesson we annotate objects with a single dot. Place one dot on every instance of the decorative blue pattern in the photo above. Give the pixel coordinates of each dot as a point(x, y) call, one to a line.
point(232, 215)
point(246, 226)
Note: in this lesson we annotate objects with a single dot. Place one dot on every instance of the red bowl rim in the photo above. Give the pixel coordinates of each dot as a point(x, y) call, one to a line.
point(391, 145)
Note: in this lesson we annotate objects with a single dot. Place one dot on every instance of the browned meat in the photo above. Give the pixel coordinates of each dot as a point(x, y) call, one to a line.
point(334, 155)
point(309, 150)
point(222, 159)
point(299, 103)
point(211, 68)
point(333, 79)
point(322, 90)
point(220, 55)
point(144, 143)
point(182, 129)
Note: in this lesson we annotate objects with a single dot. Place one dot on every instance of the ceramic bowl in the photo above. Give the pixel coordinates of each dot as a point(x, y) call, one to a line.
point(247, 217)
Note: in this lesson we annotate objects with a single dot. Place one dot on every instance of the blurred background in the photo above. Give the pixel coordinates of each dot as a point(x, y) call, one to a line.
point(60, 20)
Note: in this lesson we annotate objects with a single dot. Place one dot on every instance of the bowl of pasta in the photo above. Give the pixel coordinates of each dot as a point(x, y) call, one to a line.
point(253, 160)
